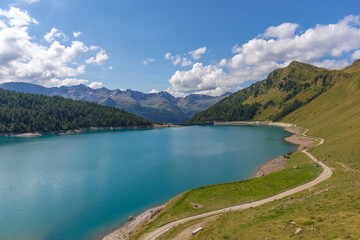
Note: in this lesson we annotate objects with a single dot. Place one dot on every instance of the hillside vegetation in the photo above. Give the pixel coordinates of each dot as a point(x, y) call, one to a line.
point(22, 112)
point(331, 209)
point(281, 93)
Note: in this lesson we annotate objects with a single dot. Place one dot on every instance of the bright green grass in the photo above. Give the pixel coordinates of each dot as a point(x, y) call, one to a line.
point(330, 210)
point(223, 195)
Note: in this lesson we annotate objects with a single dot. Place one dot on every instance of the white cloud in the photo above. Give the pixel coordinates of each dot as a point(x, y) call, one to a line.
point(110, 68)
point(285, 30)
point(95, 85)
point(175, 59)
point(93, 48)
point(77, 34)
point(210, 80)
point(196, 54)
point(275, 48)
point(100, 58)
point(149, 60)
point(355, 55)
point(332, 64)
point(70, 82)
point(17, 18)
point(30, 1)
point(154, 91)
point(24, 60)
point(186, 62)
point(54, 33)
point(223, 62)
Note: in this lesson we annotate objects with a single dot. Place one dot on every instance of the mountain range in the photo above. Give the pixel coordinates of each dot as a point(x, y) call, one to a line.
point(157, 107)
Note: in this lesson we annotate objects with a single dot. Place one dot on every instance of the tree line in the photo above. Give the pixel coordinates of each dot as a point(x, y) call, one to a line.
point(23, 112)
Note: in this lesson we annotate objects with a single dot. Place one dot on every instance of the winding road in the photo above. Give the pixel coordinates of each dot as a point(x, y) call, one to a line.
point(325, 174)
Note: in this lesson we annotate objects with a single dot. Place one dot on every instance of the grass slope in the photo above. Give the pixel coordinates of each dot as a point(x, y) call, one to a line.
point(331, 210)
point(282, 92)
point(223, 195)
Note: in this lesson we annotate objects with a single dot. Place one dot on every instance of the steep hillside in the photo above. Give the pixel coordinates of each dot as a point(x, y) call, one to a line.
point(328, 210)
point(23, 112)
point(282, 92)
point(331, 209)
point(158, 107)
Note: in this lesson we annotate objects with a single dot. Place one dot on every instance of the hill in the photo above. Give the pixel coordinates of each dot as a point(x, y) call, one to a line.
point(158, 107)
point(23, 112)
point(326, 211)
point(282, 92)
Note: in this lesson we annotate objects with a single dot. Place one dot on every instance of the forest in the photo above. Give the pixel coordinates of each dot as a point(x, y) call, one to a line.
point(23, 112)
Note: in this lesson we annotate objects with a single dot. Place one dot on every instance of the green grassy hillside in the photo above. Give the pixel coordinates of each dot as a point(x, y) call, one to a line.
point(331, 210)
point(281, 93)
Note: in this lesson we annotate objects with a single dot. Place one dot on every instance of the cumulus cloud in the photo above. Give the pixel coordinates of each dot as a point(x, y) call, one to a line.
point(149, 60)
point(17, 18)
point(322, 45)
point(285, 30)
point(196, 54)
point(355, 55)
point(70, 82)
point(99, 59)
point(95, 85)
point(54, 33)
point(24, 60)
point(154, 91)
point(210, 80)
point(77, 34)
point(176, 59)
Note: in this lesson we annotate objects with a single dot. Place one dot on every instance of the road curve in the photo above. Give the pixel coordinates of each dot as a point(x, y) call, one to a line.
point(325, 174)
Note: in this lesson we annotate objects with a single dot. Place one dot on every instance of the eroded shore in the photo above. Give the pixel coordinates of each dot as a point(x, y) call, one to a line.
point(268, 167)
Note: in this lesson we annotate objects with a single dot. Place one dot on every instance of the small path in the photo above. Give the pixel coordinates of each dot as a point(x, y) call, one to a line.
point(325, 174)
point(347, 168)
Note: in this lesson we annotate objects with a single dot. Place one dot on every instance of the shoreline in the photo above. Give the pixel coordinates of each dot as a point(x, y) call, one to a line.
point(270, 166)
point(131, 227)
point(81, 130)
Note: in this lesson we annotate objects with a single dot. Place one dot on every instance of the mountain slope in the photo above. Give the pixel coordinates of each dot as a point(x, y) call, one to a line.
point(281, 93)
point(330, 209)
point(158, 107)
point(23, 112)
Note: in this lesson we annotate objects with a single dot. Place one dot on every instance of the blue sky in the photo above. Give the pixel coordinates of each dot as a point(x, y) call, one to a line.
point(127, 33)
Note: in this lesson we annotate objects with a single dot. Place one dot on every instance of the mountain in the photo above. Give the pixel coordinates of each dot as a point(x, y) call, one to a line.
point(328, 210)
point(281, 93)
point(158, 107)
point(24, 112)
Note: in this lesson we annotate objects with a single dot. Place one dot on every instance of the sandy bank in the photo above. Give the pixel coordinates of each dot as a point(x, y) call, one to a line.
point(133, 226)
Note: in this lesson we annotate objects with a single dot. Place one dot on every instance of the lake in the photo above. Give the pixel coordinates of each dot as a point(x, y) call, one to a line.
point(81, 186)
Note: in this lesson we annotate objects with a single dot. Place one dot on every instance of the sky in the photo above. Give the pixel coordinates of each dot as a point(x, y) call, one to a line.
point(180, 46)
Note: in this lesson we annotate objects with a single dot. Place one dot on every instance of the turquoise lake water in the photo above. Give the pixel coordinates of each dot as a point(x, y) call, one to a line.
point(81, 186)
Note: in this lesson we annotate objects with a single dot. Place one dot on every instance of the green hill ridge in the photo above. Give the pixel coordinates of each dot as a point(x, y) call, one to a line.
point(281, 93)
